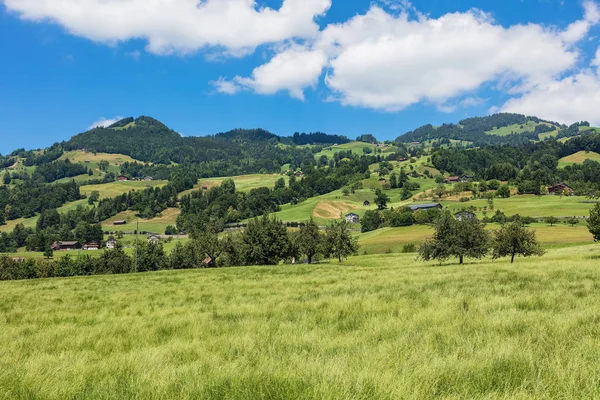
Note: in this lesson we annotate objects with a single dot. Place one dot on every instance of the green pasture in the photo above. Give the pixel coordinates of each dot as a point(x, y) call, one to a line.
point(578, 158)
point(375, 327)
point(243, 183)
point(393, 240)
point(356, 148)
point(516, 128)
point(156, 225)
point(530, 206)
point(114, 189)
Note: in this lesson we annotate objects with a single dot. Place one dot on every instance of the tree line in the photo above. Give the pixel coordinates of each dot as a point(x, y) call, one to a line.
point(265, 241)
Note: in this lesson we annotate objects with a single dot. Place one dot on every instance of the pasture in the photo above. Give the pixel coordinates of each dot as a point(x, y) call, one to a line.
point(578, 158)
point(375, 327)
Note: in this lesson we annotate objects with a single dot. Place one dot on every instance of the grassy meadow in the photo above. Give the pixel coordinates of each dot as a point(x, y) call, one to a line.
point(578, 158)
point(375, 327)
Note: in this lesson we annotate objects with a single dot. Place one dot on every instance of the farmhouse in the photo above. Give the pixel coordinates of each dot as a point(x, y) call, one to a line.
point(299, 174)
point(119, 223)
point(352, 218)
point(367, 203)
point(148, 178)
point(430, 206)
point(111, 243)
point(204, 187)
point(123, 178)
point(453, 179)
point(153, 240)
point(467, 178)
point(464, 215)
point(93, 246)
point(66, 246)
point(560, 189)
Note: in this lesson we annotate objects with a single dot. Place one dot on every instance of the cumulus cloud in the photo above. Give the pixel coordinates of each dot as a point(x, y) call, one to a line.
point(386, 60)
point(574, 98)
point(179, 26)
point(293, 70)
point(104, 122)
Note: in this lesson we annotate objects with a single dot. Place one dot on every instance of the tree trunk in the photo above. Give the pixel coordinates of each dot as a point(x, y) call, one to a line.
point(461, 260)
point(340, 258)
point(512, 260)
point(310, 259)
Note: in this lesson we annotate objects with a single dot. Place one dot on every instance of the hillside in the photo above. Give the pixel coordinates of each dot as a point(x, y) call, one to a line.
point(495, 129)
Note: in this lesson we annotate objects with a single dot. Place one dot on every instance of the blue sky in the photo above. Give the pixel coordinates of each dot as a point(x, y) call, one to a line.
point(343, 67)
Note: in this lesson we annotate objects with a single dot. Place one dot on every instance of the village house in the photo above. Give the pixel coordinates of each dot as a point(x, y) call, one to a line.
point(299, 174)
point(367, 203)
point(123, 178)
point(66, 246)
point(453, 179)
point(467, 178)
point(121, 222)
point(148, 178)
point(92, 246)
point(418, 207)
point(352, 218)
point(204, 187)
point(111, 243)
point(465, 215)
point(153, 240)
point(560, 189)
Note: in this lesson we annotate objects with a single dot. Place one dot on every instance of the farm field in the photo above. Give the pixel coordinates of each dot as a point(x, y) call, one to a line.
point(375, 327)
point(578, 158)
point(531, 206)
point(243, 183)
point(155, 225)
point(355, 147)
point(393, 240)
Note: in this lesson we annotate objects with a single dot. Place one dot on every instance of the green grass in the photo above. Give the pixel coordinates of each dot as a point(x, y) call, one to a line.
point(113, 189)
point(243, 183)
point(393, 240)
point(578, 158)
point(531, 206)
point(356, 148)
point(377, 327)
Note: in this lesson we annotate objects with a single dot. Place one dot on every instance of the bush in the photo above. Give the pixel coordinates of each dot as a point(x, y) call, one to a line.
point(409, 248)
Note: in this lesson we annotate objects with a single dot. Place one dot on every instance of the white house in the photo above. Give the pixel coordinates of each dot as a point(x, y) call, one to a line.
point(352, 218)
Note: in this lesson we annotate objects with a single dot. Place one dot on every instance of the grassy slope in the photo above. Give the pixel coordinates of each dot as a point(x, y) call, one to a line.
point(531, 206)
point(392, 240)
point(356, 147)
point(243, 183)
point(578, 158)
point(378, 327)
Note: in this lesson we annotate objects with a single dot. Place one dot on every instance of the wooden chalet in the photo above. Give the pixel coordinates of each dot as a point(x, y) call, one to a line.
point(367, 203)
point(560, 189)
point(92, 246)
point(123, 178)
point(66, 246)
point(121, 222)
point(453, 179)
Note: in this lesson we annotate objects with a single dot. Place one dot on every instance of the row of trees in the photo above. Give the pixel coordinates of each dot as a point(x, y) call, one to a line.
point(468, 238)
point(266, 241)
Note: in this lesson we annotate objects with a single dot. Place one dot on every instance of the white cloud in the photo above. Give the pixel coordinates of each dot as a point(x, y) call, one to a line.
point(293, 70)
point(574, 98)
point(104, 122)
point(179, 26)
point(225, 87)
point(389, 61)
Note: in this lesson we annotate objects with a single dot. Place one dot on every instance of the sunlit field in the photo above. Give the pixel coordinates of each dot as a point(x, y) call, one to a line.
point(376, 327)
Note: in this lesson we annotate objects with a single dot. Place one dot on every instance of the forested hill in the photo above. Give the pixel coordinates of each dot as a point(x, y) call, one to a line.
point(147, 139)
point(501, 128)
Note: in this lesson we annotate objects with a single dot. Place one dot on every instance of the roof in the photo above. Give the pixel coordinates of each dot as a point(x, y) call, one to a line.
point(67, 243)
point(424, 206)
point(352, 215)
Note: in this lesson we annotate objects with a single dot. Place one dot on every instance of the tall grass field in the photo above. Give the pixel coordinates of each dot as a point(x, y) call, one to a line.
point(375, 327)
